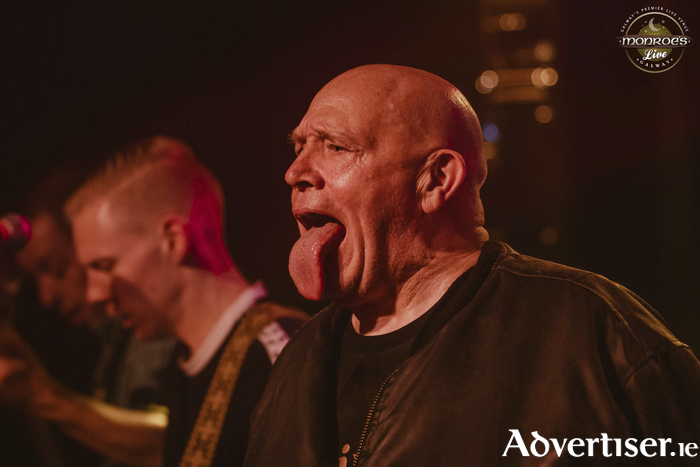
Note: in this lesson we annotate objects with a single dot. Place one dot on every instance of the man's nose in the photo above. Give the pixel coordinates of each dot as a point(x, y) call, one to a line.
point(303, 173)
point(99, 287)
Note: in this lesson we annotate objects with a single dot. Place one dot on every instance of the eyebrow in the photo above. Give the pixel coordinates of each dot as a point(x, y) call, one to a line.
point(342, 138)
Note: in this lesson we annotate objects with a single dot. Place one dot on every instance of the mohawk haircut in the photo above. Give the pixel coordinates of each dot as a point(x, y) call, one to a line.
point(155, 153)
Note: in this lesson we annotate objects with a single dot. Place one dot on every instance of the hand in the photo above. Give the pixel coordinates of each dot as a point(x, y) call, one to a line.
point(15, 382)
point(24, 383)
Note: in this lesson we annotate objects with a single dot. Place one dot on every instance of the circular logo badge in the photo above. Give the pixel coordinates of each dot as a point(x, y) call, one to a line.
point(654, 39)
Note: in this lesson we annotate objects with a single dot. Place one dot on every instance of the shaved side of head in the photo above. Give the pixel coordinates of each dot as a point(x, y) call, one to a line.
point(154, 178)
point(427, 113)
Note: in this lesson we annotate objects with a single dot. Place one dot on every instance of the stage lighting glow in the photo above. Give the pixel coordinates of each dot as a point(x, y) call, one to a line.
point(490, 150)
point(544, 51)
point(512, 22)
point(542, 77)
point(487, 81)
point(544, 114)
point(491, 132)
point(550, 76)
point(549, 235)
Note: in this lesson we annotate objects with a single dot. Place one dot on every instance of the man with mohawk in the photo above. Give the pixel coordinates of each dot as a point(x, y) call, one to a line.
point(148, 228)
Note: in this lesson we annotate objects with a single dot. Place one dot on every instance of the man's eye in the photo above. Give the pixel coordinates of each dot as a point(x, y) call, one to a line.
point(336, 148)
point(104, 265)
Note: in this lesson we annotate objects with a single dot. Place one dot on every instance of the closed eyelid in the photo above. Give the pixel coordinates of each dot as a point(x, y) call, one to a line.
point(336, 146)
point(313, 140)
point(102, 265)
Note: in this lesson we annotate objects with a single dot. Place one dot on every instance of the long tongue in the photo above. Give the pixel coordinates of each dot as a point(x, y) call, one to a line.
point(308, 257)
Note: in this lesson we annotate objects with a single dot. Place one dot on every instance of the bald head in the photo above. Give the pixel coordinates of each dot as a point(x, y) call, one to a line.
point(428, 109)
point(388, 171)
point(416, 113)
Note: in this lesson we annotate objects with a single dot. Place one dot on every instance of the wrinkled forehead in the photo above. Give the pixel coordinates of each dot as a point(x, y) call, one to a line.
point(329, 112)
point(364, 113)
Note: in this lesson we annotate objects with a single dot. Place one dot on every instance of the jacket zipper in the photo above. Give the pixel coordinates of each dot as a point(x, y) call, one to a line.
point(356, 456)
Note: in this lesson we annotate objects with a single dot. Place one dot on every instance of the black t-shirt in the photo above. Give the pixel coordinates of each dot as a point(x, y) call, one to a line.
point(187, 396)
point(365, 363)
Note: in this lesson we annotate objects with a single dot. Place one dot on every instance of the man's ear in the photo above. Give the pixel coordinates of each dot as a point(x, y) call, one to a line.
point(175, 239)
point(441, 177)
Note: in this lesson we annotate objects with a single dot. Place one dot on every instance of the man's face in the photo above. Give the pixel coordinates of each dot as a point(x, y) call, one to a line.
point(126, 270)
point(354, 197)
point(49, 257)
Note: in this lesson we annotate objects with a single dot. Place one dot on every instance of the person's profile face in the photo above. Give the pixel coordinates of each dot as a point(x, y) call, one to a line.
point(353, 195)
point(126, 271)
point(49, 257)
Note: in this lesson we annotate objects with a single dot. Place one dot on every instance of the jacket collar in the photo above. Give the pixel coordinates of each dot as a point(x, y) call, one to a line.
point(462, 290)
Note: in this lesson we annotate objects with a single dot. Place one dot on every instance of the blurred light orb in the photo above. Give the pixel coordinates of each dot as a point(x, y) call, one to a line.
point(487, 81)
point(542, 77)
point(549, 235)
point(512, 22)
point(544, 114)
point(490, 150)
point(550, 76)
point(491, 132)
point(544, 51)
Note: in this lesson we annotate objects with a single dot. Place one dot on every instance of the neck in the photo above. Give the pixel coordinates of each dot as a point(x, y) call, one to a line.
point(204, 299)
point(417, 294)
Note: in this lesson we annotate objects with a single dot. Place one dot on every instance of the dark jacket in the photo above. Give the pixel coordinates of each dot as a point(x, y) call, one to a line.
point(519, 344)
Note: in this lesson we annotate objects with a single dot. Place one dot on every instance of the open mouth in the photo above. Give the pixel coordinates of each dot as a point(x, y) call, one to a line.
point(314, 257)
point(311, 220)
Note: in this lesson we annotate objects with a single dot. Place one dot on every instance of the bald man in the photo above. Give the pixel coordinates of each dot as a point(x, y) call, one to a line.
point(441, 347)
point(148, 228)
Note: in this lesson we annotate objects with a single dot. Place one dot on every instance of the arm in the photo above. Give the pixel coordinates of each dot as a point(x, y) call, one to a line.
point(131, 437)
point(128, 436)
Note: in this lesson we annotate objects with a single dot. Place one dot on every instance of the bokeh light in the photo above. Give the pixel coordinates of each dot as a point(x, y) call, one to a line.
point(512, 22)
point(491, 132)
point(487, 81)
point(544, 114)
point(544, 51)
point(542, 77)
point(549, 235)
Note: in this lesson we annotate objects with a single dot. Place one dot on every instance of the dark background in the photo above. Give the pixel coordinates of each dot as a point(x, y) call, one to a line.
point(614, 174)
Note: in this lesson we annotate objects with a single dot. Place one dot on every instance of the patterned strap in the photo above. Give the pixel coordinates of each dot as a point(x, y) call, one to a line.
point(205, 434)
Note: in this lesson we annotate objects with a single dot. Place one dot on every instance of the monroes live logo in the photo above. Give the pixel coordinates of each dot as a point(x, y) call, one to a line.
point(654, 39)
